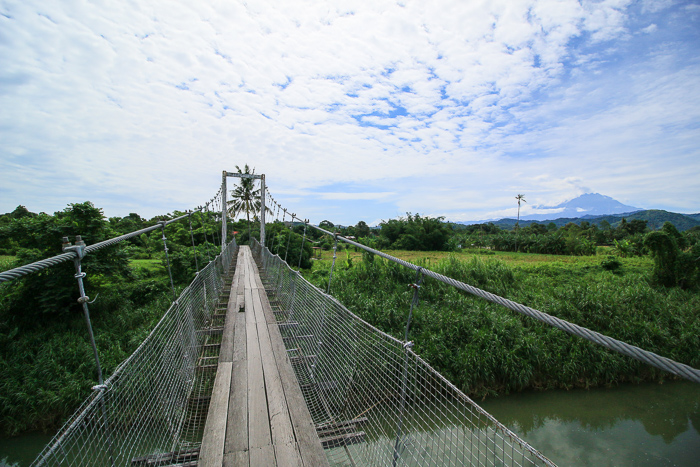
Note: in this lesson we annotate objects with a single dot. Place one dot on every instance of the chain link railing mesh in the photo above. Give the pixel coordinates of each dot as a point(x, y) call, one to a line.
point(152, 409)
point(373, 400)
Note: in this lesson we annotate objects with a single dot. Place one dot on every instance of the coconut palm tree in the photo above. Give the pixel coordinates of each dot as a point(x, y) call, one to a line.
point(519, 198)
point(245, 197)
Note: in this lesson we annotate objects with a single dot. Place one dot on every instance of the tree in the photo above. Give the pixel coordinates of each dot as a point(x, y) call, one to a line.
point(53, 291)
point(520, 198)
point(362, 229)
point(673, 267)
point(244, 198)
point(327, 225)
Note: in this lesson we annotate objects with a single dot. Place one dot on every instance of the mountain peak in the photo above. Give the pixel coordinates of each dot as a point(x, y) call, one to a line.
point(588, 204)
point(594, 203)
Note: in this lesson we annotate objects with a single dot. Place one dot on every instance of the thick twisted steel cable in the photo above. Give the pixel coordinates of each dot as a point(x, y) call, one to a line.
point(35, 266)
point(114, 240)
point(655, 360)
point(63, 257)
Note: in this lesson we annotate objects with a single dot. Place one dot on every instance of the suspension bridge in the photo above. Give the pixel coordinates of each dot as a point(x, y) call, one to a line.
point(253, 365)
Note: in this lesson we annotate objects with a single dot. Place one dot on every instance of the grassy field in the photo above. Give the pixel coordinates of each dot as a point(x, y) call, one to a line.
point(486, 349)
point(520, 260)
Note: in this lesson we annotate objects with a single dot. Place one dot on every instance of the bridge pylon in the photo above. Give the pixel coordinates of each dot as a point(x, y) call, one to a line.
point(224, 177)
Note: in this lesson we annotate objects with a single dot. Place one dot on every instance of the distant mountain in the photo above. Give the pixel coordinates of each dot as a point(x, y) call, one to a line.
point(589, 204)
point(596, 208)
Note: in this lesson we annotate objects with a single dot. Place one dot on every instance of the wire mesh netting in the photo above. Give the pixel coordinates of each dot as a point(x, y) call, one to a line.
point(372, 399)
point(152, 409)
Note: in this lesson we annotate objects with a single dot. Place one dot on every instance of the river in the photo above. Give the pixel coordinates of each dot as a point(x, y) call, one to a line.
point(630, 425)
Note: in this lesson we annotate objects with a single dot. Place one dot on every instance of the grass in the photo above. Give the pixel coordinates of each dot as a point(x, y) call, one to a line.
point(153, 265)
point(6, 262)
point(520, 260)
point(485, 349)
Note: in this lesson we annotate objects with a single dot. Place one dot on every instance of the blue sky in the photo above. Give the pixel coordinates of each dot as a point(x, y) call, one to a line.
point(354, 110)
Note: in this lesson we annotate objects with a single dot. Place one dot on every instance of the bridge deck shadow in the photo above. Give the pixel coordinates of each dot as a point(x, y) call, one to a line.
point(257, 415)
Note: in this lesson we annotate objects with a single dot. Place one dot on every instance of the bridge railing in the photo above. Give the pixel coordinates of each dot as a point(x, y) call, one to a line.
point(370, 395)
point(152, 409)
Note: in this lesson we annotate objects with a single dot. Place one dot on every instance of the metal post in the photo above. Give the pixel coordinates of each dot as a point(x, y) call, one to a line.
point(223, 210)
point(205, 227)
point(79, 250)
point(330, 276)
point(306, 222)
point(194, 248)
point(404, 382)
point(167, 259)
point(289, 238)
point(262, 210)
point(284, 219)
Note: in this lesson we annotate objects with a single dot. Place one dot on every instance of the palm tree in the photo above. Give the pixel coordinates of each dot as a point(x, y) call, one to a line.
point(244, 198)
point(519, 198)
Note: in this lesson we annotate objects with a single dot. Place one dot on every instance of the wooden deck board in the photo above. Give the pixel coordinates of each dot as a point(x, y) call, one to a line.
point(258, 413)
point(237, 425)
point(258, 417)
point(280, 424)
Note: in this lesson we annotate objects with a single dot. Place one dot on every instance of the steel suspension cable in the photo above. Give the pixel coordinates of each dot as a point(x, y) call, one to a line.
point(63, 257)
point(645, 356)
point(621, 347)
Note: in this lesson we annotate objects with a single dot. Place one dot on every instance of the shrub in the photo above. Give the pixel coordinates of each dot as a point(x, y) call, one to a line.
point(672, 267)
point(611, 263)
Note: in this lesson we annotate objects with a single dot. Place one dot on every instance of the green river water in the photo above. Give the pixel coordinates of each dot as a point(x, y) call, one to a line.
point(631, 425)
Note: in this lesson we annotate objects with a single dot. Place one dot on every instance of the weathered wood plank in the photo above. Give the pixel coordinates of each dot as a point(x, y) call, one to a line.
point(262, 456)
point(249, 273)
point(185, 455)
point(212, 451)
point(256, 276)
point(237, 425)
point(236, 459)
point(310, 448)
point(258, 416)
point(287, 455)
point(226, 351)
point(280, 424)
point(343, 440)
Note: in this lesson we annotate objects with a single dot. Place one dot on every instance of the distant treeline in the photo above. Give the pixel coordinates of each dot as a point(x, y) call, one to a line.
point(655, 219)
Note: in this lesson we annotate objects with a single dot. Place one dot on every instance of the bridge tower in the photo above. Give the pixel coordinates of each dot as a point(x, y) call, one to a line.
point(224, 177)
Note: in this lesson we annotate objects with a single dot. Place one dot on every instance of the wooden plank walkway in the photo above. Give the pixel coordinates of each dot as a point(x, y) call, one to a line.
point(257, 415)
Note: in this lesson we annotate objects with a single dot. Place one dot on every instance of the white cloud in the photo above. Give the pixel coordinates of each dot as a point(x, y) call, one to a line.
point(145, 104)
point(650, 29)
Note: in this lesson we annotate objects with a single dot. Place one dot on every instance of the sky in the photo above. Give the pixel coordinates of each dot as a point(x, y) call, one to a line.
point(353, 110)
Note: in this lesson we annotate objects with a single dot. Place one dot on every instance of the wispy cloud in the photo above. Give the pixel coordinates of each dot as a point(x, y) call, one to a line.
point(444, 108)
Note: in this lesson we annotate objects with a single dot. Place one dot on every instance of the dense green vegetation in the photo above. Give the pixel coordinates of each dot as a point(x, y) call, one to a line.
point(46, 363)
point(642, 288)
point(484, 348)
